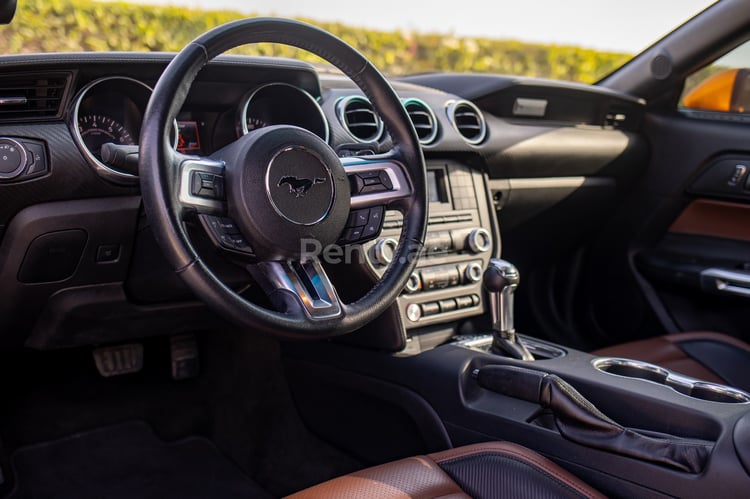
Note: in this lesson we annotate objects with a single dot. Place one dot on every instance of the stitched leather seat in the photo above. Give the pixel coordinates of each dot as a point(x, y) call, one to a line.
point(708, 356)
point(487, 470)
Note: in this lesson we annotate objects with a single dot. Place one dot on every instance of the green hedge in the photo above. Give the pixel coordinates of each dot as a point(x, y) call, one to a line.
point(85, 25)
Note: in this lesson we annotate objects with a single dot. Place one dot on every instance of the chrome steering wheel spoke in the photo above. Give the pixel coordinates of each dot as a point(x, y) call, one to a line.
point(201, 184)
point(301, 289)
point(202, 197)
point(376, 181)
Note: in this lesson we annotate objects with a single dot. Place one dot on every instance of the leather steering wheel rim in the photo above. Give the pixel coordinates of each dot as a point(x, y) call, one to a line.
point(160, 182)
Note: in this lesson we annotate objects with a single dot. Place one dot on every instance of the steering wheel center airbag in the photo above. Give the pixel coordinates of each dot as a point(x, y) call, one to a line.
point(286, 188)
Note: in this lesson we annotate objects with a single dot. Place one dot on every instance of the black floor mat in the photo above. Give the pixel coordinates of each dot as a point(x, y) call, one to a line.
point(128, 461)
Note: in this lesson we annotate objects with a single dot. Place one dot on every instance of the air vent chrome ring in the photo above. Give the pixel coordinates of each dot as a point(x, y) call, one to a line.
point(345, 111)
point(423, 118)
point(467, 120)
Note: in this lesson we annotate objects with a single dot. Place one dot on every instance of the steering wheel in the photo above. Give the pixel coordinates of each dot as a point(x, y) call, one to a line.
point(273, 196)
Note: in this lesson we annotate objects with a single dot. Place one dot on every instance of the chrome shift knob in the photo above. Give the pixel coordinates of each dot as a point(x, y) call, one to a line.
point(500, 281)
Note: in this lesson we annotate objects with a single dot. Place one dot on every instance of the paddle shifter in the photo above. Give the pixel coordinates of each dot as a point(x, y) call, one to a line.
point(500, 281)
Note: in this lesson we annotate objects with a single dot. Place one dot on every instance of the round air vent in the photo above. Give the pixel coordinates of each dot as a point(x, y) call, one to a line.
point(467, 119)
point(359, 118)
point(423, 119)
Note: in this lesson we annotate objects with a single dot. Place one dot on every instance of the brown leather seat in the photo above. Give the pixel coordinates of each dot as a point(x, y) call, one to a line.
point(487, 470)
point(708, 356)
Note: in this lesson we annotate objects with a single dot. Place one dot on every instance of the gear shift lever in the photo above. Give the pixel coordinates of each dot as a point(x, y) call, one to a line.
point(500, 281)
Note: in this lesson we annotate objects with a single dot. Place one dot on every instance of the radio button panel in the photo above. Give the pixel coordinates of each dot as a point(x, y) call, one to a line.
point(446, 285)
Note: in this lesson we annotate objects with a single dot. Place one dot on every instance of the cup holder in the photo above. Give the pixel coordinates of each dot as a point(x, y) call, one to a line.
point(685, 385)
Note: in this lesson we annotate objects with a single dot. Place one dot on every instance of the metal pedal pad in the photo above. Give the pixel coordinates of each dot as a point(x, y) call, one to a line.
point(118, 360)
point(184, 352)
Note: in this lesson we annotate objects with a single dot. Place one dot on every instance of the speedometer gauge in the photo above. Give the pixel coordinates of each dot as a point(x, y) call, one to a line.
point(97, 129)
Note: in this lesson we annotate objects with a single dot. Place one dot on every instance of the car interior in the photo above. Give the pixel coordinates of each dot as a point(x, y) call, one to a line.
point(235, 276)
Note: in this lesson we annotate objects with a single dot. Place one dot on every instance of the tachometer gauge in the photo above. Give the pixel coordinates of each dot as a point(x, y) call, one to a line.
point(109, 110)
point(96, 130)
point(282, 104)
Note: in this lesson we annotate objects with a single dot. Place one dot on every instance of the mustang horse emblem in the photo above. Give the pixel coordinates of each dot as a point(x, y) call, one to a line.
point(299, 186)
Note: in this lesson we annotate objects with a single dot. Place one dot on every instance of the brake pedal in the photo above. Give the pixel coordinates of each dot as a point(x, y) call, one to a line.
point(184, 352)
point(118, 360)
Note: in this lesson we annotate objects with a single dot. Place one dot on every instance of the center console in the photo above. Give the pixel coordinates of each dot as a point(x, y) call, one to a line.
point(447, 283)
point(628, 428)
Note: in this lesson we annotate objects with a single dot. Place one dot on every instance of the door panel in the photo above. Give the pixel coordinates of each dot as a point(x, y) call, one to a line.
point(689, 236)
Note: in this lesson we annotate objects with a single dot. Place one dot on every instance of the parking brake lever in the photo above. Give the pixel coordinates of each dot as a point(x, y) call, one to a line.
point(578, 420)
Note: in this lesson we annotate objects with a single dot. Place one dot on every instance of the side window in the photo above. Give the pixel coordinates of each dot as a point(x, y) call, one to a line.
point(722, 87)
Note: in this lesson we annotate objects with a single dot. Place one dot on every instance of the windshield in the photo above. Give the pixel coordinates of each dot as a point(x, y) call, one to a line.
point(575, 40)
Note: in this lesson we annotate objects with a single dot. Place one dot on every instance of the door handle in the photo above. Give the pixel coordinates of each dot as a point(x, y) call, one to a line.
point(726, 282)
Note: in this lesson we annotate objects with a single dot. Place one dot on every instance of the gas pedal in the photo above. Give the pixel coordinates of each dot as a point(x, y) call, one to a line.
point(119, 360)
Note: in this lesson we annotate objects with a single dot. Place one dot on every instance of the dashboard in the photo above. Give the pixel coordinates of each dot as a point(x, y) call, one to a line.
point(76, 247)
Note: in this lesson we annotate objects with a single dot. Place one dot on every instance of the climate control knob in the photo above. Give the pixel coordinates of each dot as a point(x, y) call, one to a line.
point(473, 272)
point(414, 283)
point(479, 241)
point(384, 250)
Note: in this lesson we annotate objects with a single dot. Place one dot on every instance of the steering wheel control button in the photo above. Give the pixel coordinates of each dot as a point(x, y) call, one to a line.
point(359, 218)
point(385, 179)
point(363, 225)
point(376, 215)
point(13, 158)
point(374, 223)
point(370, 182)
point(352, 235)
point(299, 186)
point(224, 232)
point(207, 185)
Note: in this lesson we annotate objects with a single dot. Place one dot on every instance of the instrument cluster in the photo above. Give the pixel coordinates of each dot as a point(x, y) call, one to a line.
point(111, 110)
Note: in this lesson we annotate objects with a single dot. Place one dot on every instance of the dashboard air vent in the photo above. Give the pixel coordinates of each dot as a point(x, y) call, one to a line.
point(359, 118)
point(32, 97)
point(467, 119)
point(423, 119)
